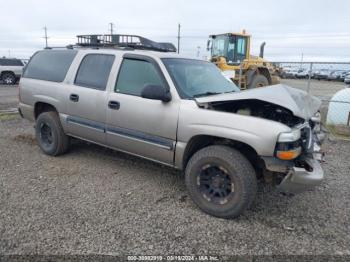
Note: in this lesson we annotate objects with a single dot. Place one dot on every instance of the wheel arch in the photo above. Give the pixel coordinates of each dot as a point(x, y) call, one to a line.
point(198, 142)
point(7, 72)
point(40, 107)
point(265, 72)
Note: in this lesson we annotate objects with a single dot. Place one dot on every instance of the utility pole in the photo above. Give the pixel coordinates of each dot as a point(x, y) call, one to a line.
point(178, 38)
point(302, 58)
point(111, 27)
point(46, 37)
point(198, 51)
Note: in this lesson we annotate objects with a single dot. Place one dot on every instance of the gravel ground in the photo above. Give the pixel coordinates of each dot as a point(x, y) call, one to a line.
point(95, 200)
point(8, 96)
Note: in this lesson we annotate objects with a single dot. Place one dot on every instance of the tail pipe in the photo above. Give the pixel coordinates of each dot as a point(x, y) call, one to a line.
point(262, 47)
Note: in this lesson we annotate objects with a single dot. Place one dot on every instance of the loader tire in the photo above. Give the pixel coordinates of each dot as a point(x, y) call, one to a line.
point(258, 81)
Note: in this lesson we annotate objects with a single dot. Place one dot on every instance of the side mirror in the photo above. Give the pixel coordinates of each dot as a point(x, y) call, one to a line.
point(156, 92)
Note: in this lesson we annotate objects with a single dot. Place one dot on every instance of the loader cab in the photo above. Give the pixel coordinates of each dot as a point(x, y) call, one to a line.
point(233, 47)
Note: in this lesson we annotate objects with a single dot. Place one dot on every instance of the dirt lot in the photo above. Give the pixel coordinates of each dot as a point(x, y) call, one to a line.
point(322, 89)
point(95, 200)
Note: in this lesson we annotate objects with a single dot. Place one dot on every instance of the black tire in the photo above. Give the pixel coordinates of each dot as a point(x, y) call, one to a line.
point(236, 168)
point(50, 135)
point(8, 78)
point(258, 81)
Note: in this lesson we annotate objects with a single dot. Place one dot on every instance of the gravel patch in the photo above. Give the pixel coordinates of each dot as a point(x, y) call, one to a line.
point(95, 200)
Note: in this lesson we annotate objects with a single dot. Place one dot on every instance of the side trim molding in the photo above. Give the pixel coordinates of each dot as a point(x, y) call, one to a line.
point(86, 123)
point(138, 135)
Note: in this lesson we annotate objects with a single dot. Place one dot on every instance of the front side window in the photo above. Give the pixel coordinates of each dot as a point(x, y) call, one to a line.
point(135, 74)
point(195, 78)
point(94, 71)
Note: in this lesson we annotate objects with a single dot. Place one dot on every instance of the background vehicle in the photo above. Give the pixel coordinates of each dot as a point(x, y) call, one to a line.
point(347, 79)
point(288, 73)
point(231, 52)
point(335, 75)
point(302, 73)
point(322, 74)
point(10, 70)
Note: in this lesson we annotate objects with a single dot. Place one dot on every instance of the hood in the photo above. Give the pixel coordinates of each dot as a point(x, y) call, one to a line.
point(299, 102)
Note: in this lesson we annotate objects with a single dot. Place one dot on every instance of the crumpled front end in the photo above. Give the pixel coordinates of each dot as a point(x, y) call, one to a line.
point(305, 171)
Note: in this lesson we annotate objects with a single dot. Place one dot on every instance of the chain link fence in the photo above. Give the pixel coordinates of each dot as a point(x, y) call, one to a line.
point(328, 81)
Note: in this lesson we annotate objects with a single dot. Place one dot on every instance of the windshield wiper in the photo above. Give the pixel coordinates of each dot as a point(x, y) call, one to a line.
point(207, 94)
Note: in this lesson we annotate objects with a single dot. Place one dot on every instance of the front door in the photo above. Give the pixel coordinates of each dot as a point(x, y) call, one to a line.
point(87, 98)
point(137, 125)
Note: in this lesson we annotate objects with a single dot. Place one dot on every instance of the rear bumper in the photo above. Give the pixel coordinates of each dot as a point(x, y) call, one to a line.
point(299, 179)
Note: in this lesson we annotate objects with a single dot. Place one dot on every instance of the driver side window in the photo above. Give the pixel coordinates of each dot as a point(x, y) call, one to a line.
point(134, 75)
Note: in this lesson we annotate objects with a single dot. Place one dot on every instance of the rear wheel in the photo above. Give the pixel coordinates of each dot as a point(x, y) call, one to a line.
point(258, 81)
point(50, 135)
point(221, 181)
point(9, 78)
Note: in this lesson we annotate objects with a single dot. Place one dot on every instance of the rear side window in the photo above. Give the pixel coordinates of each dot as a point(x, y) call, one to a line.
point(11, 62)
point(50, 65)
point(94, 71)
point(134, 75)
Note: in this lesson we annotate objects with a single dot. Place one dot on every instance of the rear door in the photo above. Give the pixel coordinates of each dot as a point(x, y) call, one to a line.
point(138, 125)
point(87, 98)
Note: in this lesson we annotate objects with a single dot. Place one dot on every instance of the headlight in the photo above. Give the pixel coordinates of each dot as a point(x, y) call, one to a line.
point(289, 145)
point(289, 136)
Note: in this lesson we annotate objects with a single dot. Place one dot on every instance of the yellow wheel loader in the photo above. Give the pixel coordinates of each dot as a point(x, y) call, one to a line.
point(231, 53)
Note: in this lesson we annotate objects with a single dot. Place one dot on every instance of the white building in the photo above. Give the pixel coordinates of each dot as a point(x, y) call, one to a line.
point(339, 108)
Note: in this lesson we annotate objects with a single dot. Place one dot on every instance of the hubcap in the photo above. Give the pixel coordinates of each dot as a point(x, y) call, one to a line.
point(46, 134)
point(8, 80)
point(215, 184)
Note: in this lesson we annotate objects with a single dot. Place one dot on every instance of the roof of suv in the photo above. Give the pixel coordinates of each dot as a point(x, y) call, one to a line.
point(131, 51)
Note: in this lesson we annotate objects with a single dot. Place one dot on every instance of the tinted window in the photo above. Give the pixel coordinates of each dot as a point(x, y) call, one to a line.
point(134, 75)
point(50, 65)
point(11, 62)
point(94, 71)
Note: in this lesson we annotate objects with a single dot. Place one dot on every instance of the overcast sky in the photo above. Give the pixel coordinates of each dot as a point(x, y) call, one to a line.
point(320, 29)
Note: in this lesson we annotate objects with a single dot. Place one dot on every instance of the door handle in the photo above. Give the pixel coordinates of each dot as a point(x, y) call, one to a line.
point(115, 105)
point(74, 97)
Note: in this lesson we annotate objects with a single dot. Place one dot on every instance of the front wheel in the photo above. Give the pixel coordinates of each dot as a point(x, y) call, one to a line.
point(9, 79)
point(221, 181)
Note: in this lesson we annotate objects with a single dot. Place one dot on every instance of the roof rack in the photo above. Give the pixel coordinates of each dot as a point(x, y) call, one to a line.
point(123, 41)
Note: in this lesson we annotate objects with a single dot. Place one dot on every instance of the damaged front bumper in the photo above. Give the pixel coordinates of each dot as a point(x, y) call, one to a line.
point(300, 179)
point(290, 177)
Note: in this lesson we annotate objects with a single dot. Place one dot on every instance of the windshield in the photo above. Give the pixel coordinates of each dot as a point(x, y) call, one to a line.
point(219, 46)
point(194, 78)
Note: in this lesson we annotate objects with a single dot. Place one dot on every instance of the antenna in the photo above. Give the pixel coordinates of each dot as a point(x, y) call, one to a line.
point(178, 38)
point(46, 37)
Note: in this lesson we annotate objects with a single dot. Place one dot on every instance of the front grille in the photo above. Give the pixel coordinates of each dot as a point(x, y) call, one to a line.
point(306, 138)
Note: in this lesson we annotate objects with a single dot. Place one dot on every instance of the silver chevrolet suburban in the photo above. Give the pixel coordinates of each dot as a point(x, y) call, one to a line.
point(179, 112)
